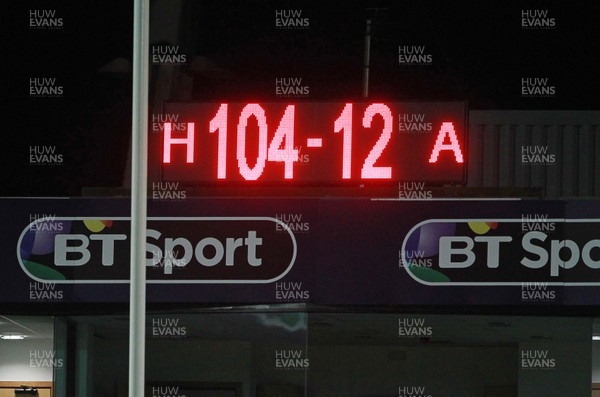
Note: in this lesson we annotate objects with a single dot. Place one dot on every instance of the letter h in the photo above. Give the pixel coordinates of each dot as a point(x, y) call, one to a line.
point(189, 142)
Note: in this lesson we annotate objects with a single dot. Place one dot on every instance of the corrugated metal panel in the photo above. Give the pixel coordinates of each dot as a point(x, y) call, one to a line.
point(558, 151)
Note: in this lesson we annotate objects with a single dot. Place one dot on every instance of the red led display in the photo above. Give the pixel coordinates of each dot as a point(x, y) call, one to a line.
point(313, 142)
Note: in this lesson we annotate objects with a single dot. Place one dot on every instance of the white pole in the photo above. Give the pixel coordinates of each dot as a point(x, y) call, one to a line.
point(139, 144)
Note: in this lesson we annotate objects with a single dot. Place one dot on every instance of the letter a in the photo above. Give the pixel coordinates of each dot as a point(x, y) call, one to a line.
point(446, 130)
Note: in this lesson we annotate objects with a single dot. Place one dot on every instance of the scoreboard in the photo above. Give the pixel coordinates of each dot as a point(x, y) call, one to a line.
point(312, 142)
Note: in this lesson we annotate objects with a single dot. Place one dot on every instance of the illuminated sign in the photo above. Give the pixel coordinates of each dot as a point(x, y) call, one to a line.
point(503, 251)
point(310, 142)
point(194, 250)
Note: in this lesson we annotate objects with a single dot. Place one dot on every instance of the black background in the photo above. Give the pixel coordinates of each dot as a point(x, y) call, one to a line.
point(480, 53)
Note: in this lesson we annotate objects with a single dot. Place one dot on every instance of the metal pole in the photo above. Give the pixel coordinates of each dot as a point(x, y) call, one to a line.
point(367, 59)
point(139, 144)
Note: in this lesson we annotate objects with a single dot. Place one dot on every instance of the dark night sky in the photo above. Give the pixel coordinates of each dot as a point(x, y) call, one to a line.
point(480, 53)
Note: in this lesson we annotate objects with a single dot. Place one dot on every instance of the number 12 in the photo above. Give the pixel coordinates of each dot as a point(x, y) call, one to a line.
point(344, 122)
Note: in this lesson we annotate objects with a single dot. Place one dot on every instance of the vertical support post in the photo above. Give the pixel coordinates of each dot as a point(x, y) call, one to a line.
point(84, 360)
point(139, 155)
point(367, 60)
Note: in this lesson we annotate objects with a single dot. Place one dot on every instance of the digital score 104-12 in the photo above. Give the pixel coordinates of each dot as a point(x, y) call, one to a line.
point(312, 143)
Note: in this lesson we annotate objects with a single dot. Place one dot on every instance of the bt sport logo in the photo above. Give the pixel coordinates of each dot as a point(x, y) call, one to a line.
point(555, 251)
point(193, 250)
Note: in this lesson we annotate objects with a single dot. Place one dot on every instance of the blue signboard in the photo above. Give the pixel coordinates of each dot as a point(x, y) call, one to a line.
point(327, 251)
